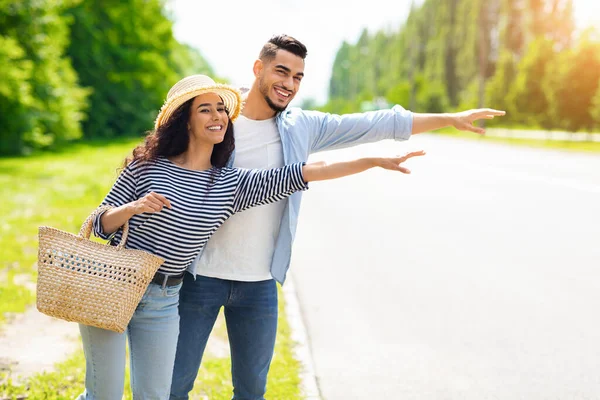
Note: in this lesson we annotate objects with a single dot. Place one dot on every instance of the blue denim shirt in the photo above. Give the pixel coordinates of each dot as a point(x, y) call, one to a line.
point(305, 132)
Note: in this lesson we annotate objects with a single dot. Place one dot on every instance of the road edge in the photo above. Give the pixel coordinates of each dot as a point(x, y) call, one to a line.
point(302, 353)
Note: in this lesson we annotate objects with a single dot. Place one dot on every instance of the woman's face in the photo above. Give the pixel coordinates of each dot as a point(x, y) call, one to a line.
point(208, 118)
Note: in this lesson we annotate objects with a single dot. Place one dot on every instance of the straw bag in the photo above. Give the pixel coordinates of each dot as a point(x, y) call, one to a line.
point(88, 282)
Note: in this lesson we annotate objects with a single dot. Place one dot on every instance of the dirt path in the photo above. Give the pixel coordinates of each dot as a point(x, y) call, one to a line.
point(33, 342)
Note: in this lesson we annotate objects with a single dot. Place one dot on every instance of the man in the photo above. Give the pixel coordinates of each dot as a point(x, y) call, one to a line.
point(240, 265)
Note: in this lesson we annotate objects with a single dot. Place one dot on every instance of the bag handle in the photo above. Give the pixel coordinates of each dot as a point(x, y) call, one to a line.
point(87, 226)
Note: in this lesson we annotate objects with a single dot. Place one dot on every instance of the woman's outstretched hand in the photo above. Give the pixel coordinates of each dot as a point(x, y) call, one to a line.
point(393, 163)
point(320, 171)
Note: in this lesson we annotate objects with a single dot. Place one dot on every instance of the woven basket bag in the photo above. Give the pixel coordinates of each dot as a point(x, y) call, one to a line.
point(88, 282)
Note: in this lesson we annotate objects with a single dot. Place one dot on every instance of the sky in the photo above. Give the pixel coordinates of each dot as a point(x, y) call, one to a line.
point(230, 36)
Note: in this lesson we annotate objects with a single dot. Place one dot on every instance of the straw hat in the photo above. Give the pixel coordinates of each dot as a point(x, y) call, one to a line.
point(194, 85)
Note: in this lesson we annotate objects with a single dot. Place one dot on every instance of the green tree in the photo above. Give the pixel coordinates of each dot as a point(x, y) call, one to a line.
point(381, 59)
point(527, 99)
point(432, 92)
point(365, 71)
point(498, 86)
point(431, 96)
point(513, 32)
point(572, 86)
point(16, 99)
point(340, 75)
point(451, 47)
point(399, 93)
point(595, 108)
point(468, 53)
point(125, 51)
point(40, 99)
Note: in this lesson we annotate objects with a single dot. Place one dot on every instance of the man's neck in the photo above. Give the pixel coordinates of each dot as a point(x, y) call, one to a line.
point(255, 107)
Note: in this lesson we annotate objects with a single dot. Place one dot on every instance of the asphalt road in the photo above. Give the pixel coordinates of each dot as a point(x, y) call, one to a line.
point(475, 277)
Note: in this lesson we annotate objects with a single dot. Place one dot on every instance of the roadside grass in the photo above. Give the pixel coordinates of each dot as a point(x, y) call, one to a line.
point(56, 189)
point(585, 147)
point(60, 190)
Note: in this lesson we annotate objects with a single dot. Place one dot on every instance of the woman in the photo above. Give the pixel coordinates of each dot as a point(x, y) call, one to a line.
point(175, 192)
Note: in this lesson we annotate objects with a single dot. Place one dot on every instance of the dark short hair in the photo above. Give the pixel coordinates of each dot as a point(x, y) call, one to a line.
point(283, 42)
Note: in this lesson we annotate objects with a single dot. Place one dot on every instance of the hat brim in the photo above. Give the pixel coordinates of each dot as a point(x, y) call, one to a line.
point(231, 98)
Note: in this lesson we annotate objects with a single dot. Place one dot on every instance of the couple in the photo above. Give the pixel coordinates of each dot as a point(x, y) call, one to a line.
point(184, 185)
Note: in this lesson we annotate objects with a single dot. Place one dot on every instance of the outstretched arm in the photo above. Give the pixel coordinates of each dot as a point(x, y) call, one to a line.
point(463, 121)
point(320, 171)
point(257, 187)
point(329, 131)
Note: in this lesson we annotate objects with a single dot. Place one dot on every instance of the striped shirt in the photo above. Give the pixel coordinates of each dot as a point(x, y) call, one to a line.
point(201, 201)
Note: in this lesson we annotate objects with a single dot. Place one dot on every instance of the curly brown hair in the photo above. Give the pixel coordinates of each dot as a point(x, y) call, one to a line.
point(172, 139)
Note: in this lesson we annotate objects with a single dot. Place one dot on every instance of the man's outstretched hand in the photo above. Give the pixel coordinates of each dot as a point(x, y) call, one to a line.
point(463, 121)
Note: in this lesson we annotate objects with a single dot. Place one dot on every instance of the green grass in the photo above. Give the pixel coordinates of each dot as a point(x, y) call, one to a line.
point(585, 147)
point(60, 189)
point(65, 383)
point(55, 189)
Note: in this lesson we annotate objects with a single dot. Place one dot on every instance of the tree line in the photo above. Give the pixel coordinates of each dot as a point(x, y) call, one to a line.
point(72, 69)
point(524, 56)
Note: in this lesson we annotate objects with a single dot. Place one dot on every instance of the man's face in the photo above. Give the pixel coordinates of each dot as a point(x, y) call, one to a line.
point(279, 79)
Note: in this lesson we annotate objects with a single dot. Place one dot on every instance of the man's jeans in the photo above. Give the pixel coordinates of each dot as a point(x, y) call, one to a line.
point(251, 317)
point(152, 335)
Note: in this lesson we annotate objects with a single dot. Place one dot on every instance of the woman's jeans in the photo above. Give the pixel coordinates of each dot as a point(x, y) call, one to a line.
point(152, 335)
point(251, 317)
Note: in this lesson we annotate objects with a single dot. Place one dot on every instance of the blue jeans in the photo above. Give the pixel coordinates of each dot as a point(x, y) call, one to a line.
point(152, 334)
point(251, 317)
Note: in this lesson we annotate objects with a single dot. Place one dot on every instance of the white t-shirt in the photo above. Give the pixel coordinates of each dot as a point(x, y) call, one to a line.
point(242, 248)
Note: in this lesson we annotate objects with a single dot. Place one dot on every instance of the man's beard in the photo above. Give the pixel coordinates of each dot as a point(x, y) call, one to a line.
point(274, 106)
point(264, 90)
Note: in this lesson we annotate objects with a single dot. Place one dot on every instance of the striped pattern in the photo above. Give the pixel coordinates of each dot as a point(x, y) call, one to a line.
point(201, 201)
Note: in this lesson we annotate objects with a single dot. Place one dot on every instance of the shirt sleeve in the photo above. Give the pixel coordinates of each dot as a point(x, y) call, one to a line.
point(122, 192)
point(331, 131)
point(258, 186)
